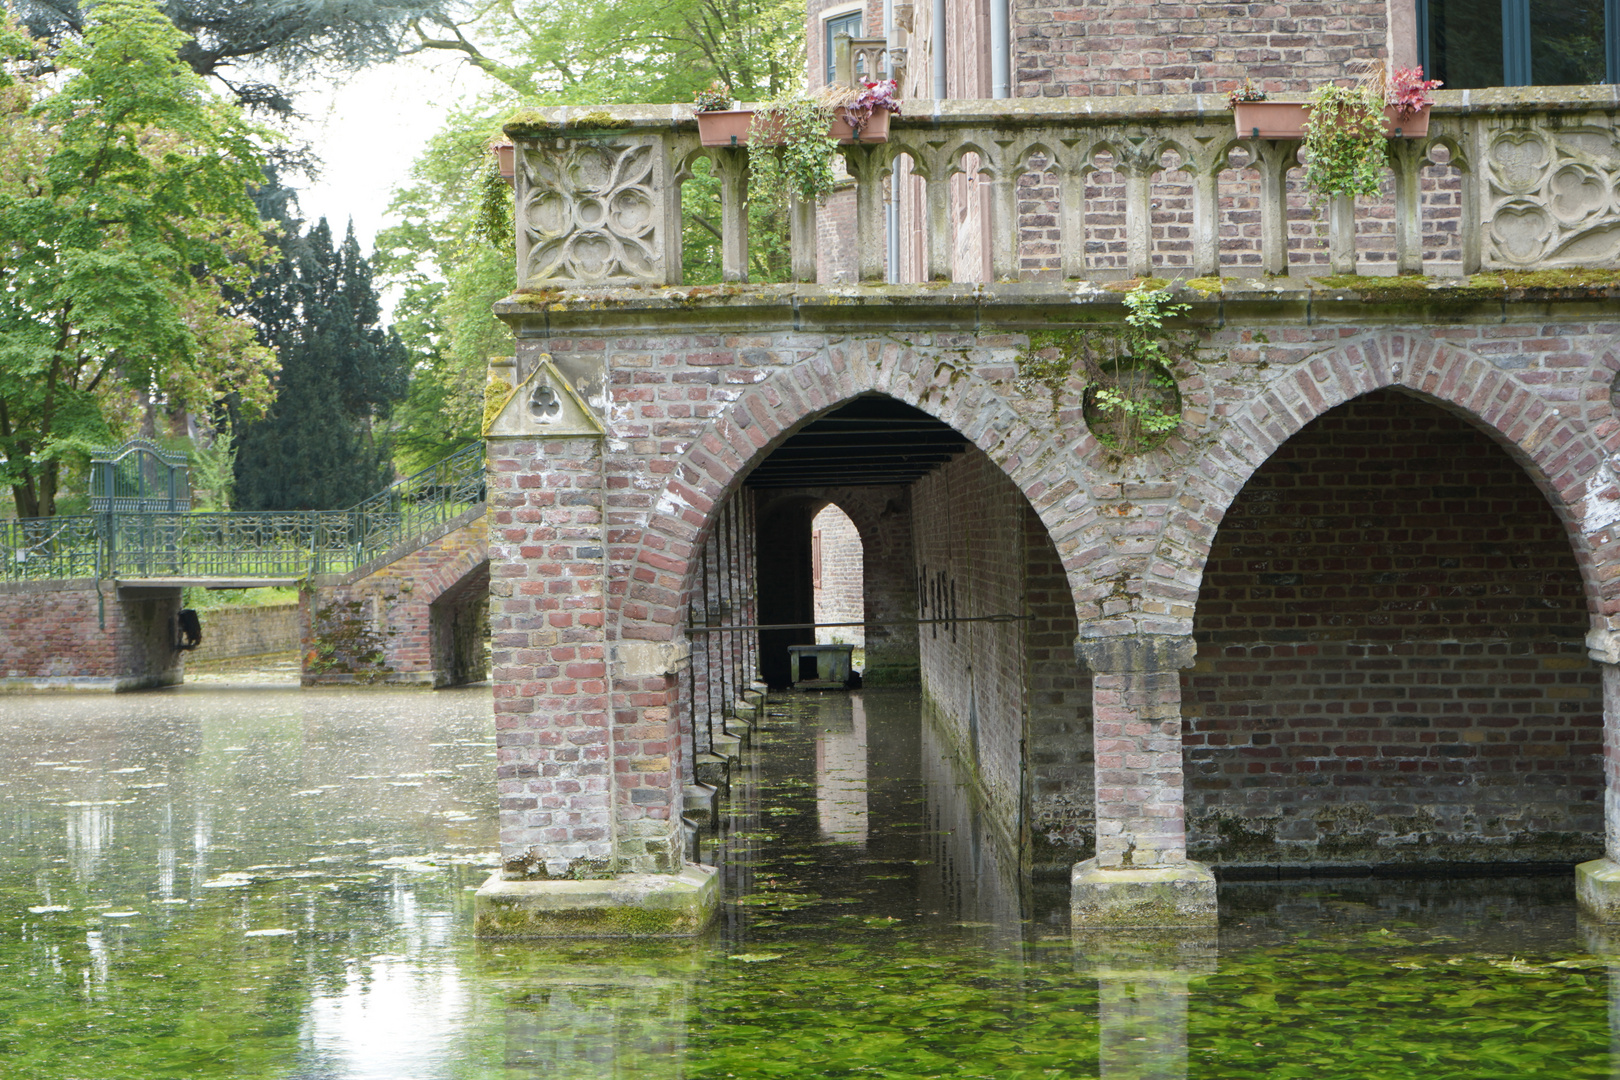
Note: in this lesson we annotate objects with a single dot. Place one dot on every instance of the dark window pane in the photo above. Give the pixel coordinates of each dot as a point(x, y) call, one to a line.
point(1465, 42)
point(1566, 42)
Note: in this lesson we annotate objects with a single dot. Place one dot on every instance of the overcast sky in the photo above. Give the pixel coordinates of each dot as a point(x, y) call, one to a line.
point(370, 129)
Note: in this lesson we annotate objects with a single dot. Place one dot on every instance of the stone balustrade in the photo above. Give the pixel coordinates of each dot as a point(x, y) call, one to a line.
point(1534, 174)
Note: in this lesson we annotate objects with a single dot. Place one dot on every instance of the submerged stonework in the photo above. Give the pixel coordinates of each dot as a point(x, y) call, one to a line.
point(597, 542)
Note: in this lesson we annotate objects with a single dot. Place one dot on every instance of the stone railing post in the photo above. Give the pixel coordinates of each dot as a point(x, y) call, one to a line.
point(1467, 162)
point(1140, 875)
point(1072, 221)
point(732, 166)
point(1273, 159)
point(802, 219)
point(1206, 238)
point(868, 165)
point(1341, 211)
point(1406, 158)
point(935, 169)
point(1003, 184)
point(1138, 172)
point(1597, 883)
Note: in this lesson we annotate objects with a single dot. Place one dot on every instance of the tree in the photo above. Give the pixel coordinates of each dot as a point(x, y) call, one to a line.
point(316, 448)
point(454, 264)
point(600, 51)
point(219, 35)
point(124, 212)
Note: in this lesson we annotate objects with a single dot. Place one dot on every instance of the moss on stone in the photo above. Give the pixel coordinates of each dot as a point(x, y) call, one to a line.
point(1205, 287)
point(535, 122)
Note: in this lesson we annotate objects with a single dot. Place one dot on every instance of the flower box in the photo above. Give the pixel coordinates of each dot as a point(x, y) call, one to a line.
point(506, 160)
point(875, 130)
point(1286, 120)
point(1270, 119)
point(727, 128)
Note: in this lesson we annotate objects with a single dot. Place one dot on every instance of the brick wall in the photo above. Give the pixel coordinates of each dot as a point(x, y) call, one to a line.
point(981, 550)
point(257, 630)
point(1083, 48)
point(68, 636)
point(837, 569)
point(1391, 656)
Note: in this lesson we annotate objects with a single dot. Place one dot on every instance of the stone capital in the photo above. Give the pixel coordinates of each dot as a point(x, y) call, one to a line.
point(1138, 653)
point(1603, 646)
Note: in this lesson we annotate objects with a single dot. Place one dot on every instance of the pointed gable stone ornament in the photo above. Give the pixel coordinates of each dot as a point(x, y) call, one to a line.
point(543, 406)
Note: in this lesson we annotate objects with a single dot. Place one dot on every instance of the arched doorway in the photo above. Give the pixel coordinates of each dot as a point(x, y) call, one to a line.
point(1391, 657)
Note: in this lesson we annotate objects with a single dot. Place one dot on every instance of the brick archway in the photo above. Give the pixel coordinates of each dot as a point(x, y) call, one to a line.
point(714, 465)
point(1567, 462)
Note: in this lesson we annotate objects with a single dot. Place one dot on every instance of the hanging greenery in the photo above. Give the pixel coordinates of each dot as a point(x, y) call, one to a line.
point(1345, 140)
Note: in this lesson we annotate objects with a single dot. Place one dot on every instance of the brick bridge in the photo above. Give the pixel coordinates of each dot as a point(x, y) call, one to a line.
point(392, 591)
point(1359, 608)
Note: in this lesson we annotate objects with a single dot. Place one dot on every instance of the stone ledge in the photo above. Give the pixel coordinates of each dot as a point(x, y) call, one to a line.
point(1597, 889)
point(630, 905)
point(1147, 898)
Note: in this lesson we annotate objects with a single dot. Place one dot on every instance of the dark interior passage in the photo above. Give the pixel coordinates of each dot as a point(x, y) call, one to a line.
point(1391, 657)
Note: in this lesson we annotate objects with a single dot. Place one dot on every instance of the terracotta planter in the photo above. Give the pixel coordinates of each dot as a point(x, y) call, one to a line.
point(728, 128)
point(1413, 127)
point(875, 130)
point(506, 161)
point(1270, 119)
point(1286, 120)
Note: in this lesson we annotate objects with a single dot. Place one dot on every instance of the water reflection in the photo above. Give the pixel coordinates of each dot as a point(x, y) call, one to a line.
point(278, 884)
point(841, 805)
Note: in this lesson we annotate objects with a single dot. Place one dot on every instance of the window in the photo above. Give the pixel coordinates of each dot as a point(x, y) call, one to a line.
point(847, 23)
point(1473, 43)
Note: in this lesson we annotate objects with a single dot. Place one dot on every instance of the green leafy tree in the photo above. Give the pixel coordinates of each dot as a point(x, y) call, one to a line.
point(124, 213)
point(317, 447)
point(453, 255)
point(601, 51)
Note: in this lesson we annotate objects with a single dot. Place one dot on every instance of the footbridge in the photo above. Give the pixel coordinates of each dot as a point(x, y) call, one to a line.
point(391, 590)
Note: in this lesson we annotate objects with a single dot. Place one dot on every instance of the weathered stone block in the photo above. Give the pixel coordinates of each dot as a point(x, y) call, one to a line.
point(1597, 889)
point(1147, 898)
point(629, 905)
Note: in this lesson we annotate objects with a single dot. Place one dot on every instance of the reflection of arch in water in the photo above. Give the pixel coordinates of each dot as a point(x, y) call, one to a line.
point(842, 806)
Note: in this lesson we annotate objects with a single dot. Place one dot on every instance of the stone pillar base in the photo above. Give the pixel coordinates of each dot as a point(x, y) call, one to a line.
point(1160, 897)
point(1597, 889)
point(630, 905)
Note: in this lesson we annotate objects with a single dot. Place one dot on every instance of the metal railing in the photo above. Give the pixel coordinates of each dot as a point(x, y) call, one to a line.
point(278, 544)
point(39, 549)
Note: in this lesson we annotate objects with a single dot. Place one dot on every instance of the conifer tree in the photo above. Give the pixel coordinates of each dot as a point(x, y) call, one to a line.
point(318, 447)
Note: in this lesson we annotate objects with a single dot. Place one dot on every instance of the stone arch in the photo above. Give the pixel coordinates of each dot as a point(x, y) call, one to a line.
point(457, 595)
point(1555, 446)
point(713, 466)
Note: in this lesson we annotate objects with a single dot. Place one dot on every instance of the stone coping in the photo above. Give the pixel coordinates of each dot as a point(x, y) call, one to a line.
point(965, 305)
point(585, 121)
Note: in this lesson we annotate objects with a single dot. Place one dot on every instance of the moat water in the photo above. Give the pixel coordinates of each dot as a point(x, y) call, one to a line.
point(268, 882)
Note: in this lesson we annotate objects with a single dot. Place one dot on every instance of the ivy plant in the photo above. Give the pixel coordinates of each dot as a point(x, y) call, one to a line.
point(1131, 401)
point(790, 150)
point(1344, 140)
